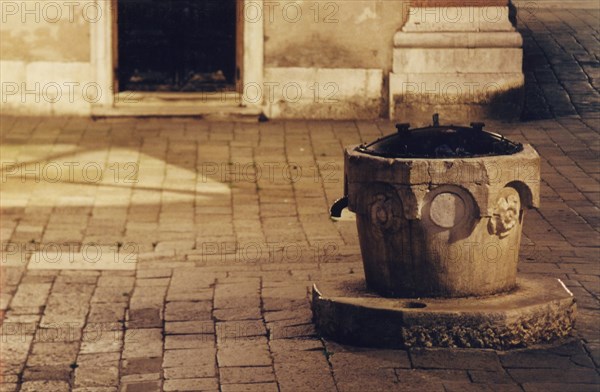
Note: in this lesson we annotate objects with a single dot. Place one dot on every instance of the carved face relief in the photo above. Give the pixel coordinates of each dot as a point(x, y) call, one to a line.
point(506, 213)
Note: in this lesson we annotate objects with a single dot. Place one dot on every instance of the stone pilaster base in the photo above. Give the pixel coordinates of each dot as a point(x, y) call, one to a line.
point(462, 62)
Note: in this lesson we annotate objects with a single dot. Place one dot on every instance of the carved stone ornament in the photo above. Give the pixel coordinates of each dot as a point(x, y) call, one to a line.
point(383, 211)
point(506, 213)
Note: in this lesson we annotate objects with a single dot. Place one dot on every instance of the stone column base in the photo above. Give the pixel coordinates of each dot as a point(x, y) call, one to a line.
point(467, 70)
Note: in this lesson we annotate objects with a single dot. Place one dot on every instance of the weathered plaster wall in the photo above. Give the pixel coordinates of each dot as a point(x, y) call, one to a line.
point(328, 34)
point(45, 55)
point(337, 54)
point(45, 30)
point(349, 41)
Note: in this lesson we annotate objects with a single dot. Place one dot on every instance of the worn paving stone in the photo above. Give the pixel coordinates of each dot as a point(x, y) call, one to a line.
point(346, 355)
point(302, 364)
point(455, 359)
point(46, 354)
point(189, 327)
point(490, 377)
point(572, 375)
point(202, 360)
point(101, 338)
point(46, 386)
point(373, 379)
point(191, 384)
point(237, 314)
point(48, 373)
point(186, 372)
point(187, 311)
point(143, 343)
point(258, 387)
point(106, 313)
point(145, 386)
point(244, 352)
point(559, 387)
point(452, 386)
point(141, 366)
point(31, 295)
point(232, 330)
point(93, 376)
point(181, 302)
point(246, 375)
point(144, 318)
point(189, 341)
point(534, 359)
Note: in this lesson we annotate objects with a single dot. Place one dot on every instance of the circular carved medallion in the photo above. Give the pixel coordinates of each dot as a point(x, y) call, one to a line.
point(447, 210)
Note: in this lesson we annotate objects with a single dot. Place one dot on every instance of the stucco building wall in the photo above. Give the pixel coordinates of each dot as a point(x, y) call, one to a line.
point(45, 56)
point(340, 59)
point(339, 53)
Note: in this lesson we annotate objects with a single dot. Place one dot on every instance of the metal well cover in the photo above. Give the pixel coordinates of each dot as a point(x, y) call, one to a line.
point(441, 141)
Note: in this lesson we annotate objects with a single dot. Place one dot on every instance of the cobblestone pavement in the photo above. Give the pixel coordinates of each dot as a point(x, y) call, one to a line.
point(212, 233)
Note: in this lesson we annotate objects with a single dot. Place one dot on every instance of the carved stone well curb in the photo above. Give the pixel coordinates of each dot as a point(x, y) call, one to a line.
point(441, 227)
point(439, 239)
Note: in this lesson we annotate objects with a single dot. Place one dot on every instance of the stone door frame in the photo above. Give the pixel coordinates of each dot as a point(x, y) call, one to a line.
point(103, 47)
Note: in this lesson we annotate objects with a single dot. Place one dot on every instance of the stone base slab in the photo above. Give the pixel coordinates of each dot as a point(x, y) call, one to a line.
point(539, 310)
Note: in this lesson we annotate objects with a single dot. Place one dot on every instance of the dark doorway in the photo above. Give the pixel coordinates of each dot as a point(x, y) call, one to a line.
point(176, 45)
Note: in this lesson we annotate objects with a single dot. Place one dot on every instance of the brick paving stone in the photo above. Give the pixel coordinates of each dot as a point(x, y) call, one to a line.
point(570, 375)
point(341, 355)
point(47, 373)
point(301, 365)
point(534, 359)
point(46, 386)
point(143, 343)
point(232, 330)
point(186, 310)
point(559, 387)
point(141, 366)
point(145, 317)
point(101, 338)
point(111, 294)
point(258, 387)
point(139, 378)
point(246, 375)
point(45, 354)
point(451, 386)
point(189, 341)
point(191, 384)
point(106, 313)
point(202, 359)
point(144, 386)
point(189, 327)
point(14, 351)
point(97, 370)
point(490, 377)
point(186, 372)
point(255, 318)
point(244, 352)
point(286, 329)
point(237, 314)
point(454, 359)
point(31, 295)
